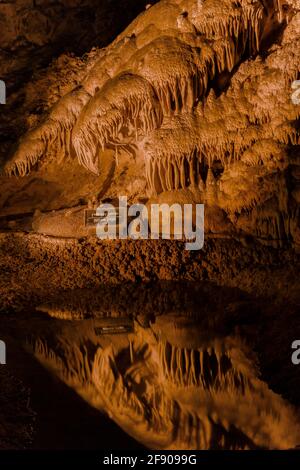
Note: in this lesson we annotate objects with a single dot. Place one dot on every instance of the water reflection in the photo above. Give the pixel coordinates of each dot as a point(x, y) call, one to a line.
point(169, 363)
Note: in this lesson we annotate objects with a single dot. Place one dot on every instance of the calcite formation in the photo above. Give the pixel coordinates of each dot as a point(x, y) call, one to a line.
point(200, 94)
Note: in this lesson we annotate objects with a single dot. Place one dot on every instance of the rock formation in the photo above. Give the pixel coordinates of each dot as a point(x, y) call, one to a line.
point(200, 95)
point(196, 101)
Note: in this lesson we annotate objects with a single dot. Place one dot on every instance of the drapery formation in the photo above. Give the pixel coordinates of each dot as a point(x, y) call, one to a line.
point(150, 73)
point(201, 91)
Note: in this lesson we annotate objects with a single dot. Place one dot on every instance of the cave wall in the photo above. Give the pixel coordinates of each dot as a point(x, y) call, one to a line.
point(35, 31)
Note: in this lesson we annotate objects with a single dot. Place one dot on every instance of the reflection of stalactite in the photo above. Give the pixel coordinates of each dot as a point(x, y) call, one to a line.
point(108, 380)
point(74, 368)
point(207, 368)
point(140, 385)
point(225, 377)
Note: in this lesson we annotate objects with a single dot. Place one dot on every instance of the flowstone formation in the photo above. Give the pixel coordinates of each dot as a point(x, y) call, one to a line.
point(191, 103)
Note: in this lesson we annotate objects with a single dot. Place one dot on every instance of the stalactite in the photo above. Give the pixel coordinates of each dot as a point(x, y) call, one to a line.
point(155, 84)
point(53, 134)
point(126, 99)
point(168, 76)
